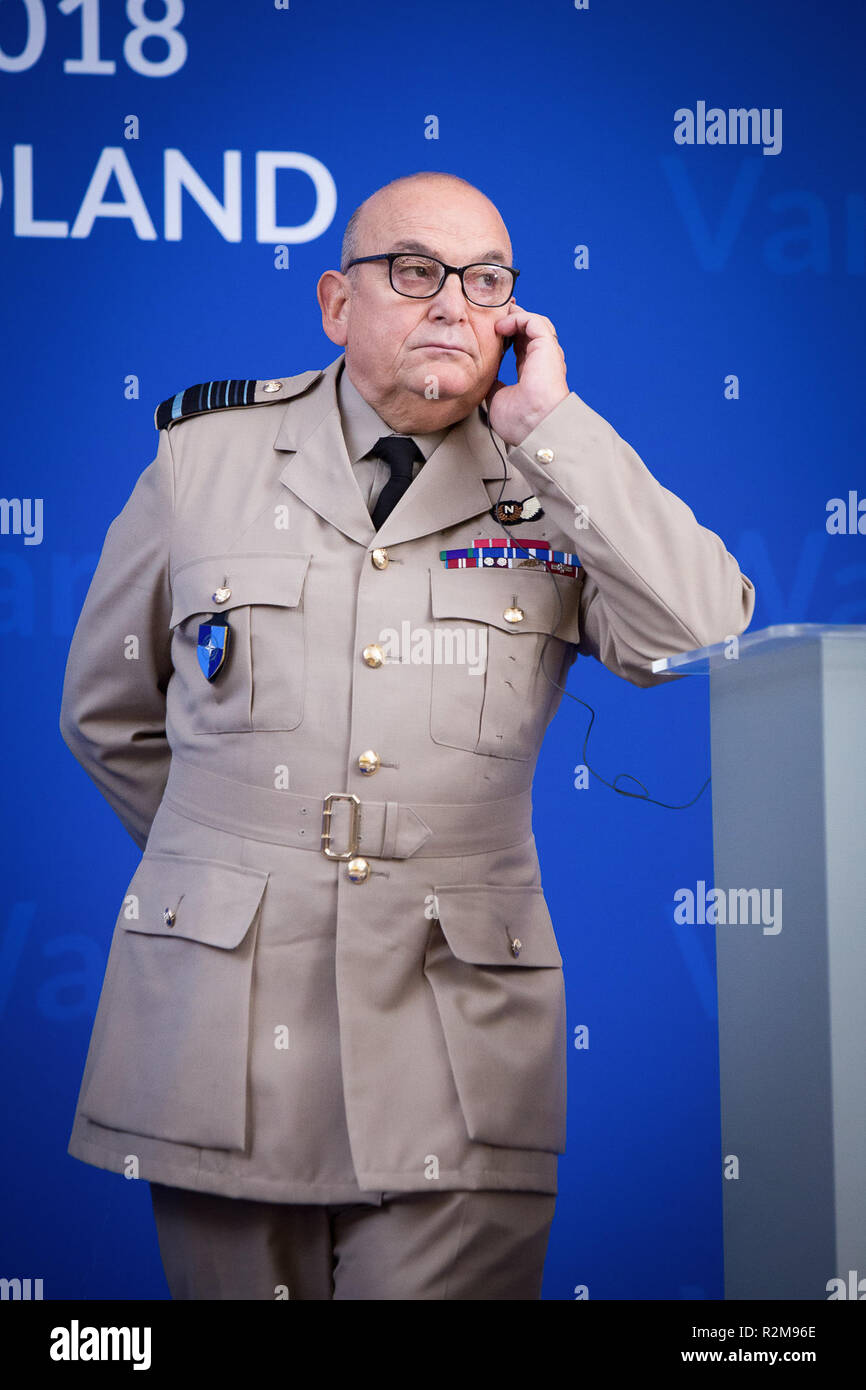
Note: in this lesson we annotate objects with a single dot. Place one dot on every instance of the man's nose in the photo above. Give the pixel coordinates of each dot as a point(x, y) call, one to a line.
point(449, 298)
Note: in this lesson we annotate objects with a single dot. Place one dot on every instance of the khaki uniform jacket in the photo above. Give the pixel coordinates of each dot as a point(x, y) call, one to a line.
point(268, 1026)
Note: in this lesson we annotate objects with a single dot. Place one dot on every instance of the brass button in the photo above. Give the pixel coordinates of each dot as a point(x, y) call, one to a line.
point(169, 917)
point(380, 558)
point(272, 386)
point(358, 870)
point(220, 595)
point(369, 762)
point(514, 615)
point(544, 455)
point(373, 655)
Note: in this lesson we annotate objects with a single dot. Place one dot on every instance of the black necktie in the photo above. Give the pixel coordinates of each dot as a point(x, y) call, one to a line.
point(399, 451)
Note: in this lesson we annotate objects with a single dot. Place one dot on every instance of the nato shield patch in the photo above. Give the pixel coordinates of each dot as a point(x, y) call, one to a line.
point(213, 644)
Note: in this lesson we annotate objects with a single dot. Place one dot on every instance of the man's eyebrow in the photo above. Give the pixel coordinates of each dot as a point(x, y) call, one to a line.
point(496, 254)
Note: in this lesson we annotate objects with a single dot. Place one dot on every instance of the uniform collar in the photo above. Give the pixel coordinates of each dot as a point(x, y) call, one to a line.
point(363, 426)
point(447, 492)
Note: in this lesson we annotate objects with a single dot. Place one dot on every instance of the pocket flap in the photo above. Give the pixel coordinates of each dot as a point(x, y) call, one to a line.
point(483, 595)
point(480, 922)
point(212, 902)
point(252, 579)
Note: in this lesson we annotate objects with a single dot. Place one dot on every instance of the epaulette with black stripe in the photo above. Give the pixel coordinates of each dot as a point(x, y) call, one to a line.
point(223, 395)
point(208, 395)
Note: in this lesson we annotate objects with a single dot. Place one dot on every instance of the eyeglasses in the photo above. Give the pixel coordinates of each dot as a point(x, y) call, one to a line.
point(420, 277)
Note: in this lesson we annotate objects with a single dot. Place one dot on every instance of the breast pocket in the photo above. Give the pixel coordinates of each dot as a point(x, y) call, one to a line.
point(169, 1052)
point(496, 974)
point(261, 682)
point(501, 705)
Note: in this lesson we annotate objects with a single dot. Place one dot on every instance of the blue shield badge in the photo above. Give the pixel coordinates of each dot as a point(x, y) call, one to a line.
point(213, 644)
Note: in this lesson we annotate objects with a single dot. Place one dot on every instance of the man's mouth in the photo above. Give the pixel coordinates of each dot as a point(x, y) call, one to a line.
point(442, 347)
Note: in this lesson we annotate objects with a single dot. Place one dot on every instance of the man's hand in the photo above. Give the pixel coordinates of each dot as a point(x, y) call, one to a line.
point(514, 411)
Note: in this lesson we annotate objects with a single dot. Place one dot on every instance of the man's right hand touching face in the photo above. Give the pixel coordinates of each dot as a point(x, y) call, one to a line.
point(514, 411)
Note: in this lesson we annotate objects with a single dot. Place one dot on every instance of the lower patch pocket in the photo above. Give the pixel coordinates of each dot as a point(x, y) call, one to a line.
point(169, 1053)
point(496, 973)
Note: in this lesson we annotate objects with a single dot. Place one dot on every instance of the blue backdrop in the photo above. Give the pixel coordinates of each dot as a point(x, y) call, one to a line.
point(715, 319)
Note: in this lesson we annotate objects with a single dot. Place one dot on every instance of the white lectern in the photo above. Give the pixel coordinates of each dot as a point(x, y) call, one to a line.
point(788, 720)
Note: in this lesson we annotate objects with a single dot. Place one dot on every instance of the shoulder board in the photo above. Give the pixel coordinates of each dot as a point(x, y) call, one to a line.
point(223, 395)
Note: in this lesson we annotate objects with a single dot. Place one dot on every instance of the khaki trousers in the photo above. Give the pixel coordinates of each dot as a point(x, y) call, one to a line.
point(416, 1245)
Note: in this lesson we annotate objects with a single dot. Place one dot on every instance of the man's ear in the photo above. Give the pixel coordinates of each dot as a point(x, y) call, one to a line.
point(333, 296)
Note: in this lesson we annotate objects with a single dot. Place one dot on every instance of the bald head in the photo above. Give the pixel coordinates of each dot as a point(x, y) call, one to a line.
point(422, 363)
point(374, 209)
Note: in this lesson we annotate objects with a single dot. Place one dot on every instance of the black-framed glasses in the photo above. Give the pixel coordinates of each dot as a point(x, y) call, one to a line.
point(420, 277)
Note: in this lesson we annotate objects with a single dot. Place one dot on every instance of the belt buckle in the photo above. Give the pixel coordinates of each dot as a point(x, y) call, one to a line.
point(354, 825)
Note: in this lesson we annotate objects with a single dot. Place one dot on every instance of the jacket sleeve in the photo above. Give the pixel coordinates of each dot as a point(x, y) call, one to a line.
point(112, 714)
point(656, 581)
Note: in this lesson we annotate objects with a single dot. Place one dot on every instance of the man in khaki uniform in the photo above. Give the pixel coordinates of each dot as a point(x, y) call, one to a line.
point(332, 1028)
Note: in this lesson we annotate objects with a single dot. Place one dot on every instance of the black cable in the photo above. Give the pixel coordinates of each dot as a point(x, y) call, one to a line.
point(621, 791)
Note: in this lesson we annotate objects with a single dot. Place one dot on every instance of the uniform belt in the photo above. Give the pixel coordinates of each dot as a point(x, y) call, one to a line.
point(386, 829)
